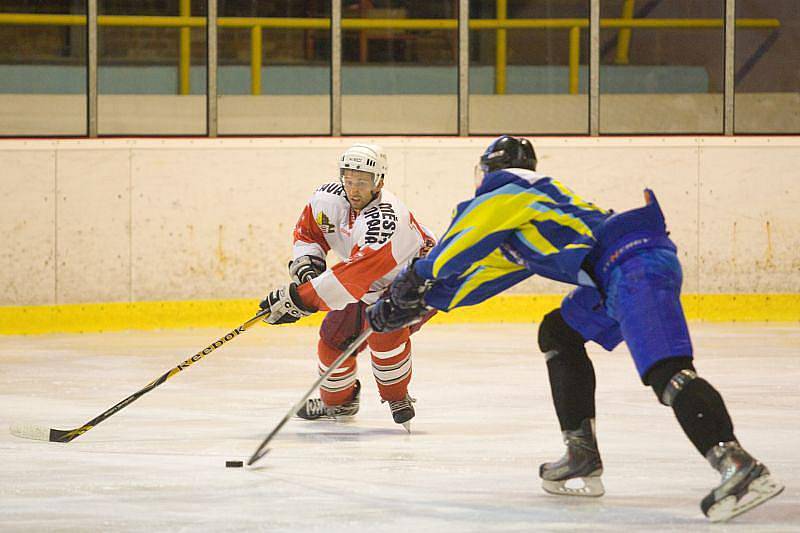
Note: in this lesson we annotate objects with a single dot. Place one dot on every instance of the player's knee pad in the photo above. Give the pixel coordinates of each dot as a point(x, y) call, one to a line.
point(556, 337)
point(327, 354)
point(389, 342)
point(339, 328)
point(670, 377)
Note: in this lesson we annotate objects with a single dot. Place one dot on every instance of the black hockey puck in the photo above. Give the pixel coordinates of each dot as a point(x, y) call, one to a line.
point(234, 464)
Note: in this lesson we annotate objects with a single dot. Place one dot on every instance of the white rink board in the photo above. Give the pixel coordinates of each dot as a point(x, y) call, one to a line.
point(484, 423)
point(28, 226)
point(187, 219)
point(93, 194)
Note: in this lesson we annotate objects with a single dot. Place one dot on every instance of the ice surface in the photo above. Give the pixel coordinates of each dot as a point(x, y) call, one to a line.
point(484, 423)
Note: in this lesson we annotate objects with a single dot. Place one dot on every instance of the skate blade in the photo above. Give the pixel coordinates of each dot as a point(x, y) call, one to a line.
point(759, 491)
point(333, 418)
point(591, 487)
point(407, 425)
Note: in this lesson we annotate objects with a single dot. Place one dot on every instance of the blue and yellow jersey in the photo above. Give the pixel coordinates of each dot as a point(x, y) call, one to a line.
point(520, 223)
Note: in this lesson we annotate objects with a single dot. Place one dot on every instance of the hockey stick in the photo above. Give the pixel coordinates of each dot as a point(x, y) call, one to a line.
point(262, 449)
point(30, 431)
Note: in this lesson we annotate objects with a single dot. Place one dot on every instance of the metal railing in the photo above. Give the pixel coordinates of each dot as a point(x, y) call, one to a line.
point(500, 25)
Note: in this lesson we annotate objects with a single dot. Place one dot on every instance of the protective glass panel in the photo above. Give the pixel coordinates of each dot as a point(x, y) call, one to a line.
point(152, 67)
point(399, 67)
point(767, 62)
point(274, 75)
point(661, 66)
point(42, 68)
point(533, 77)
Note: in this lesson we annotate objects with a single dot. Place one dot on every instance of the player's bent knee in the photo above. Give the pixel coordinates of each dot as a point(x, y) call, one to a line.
point(327, 353)
point(557, 337)
point(340, 327)
point(670, 377)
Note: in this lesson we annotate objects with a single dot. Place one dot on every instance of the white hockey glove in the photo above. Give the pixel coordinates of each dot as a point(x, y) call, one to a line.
point(305, 268)
point(284, 305)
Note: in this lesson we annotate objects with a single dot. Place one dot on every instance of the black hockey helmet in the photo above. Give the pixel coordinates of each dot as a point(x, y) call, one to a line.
point(508, 152)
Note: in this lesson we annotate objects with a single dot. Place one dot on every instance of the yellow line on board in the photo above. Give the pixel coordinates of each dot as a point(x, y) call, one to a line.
point(742, 307)
point(520, 308)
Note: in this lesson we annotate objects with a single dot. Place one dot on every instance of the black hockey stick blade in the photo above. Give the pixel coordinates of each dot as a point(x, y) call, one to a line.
point(35, 432)
point(262, 449)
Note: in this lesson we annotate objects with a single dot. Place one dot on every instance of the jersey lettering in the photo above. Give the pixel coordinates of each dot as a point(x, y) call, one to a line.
point(332, 188)
point(381, 223)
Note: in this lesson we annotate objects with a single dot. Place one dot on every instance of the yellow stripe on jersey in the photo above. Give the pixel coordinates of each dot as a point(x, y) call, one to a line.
point(489, 268)
point(575, 200)
point(498, 213)
point(473, 267)
point(534, 238)
point(576, 246)
point(566, 219)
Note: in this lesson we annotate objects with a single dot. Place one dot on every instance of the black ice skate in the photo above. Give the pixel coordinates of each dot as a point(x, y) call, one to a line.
point(403, 411)
point(578, 472)
point(315, 408)
point(746, 483)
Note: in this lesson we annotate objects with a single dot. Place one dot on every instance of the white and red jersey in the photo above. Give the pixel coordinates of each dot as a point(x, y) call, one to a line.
point(373, 245)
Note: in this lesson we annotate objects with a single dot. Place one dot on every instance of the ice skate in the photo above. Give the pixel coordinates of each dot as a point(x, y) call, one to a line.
point(403, 411)
point(746, 483)
point(315, 408)
point(578, 472)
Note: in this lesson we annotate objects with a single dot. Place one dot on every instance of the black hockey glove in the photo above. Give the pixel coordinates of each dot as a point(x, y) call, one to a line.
point(384, 315)
point(408, 288)
point(305, 268)
point(284, 306)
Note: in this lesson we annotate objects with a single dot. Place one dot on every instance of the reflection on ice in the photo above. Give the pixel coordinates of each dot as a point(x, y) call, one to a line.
point(484, 423)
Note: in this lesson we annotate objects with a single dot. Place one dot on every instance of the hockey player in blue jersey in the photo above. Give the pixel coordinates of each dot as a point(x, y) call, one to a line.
point(628, 278)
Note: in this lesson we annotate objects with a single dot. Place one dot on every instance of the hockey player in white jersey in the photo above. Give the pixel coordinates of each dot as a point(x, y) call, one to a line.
point(375, 236)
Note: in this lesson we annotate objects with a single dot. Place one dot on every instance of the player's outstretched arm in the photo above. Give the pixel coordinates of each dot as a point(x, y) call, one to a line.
point(408, 288)
point(478, 228)
point(384, 315)
point(403, 306)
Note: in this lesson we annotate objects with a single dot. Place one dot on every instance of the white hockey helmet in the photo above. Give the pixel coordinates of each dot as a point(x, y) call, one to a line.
point(367, 158)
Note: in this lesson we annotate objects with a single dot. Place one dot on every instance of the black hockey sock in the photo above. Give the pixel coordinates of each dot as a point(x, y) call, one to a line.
point(572, 383)
point(703, 416)
point(572, 380)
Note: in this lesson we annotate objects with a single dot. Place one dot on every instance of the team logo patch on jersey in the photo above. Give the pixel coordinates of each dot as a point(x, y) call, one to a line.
point(381, 223)
point(324, 223)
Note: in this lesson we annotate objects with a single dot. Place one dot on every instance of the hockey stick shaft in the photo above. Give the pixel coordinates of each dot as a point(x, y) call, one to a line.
point(60, 435)
point(262, 450)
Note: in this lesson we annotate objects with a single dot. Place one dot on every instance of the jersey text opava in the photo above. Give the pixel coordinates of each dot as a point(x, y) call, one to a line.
point(381, 223)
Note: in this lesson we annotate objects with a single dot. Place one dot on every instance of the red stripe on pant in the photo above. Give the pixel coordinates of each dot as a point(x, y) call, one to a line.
point(385, 342)
point(327, 355)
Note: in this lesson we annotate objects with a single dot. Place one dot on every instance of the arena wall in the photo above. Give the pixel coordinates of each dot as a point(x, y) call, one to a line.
point(404, 114)
point(123, 221)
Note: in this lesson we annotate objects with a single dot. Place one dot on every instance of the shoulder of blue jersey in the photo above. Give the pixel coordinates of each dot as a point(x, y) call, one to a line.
point(499, 178)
